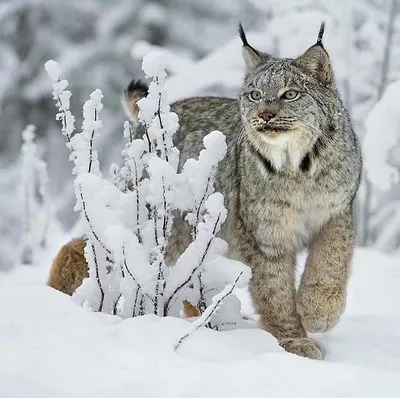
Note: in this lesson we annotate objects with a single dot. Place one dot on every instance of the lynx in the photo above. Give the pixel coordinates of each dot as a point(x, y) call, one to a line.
point(289, 179)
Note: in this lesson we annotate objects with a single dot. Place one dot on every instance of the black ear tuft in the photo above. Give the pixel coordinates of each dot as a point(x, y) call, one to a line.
point(242, 35)
point(321, 34)
point(244, 39)
point(252, 57)
point(315, 61)
point(136, 90)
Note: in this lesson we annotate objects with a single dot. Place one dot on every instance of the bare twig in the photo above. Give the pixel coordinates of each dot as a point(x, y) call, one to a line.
point(166, 216)
point(90, 223)
point(96, 265)
point(146, 133)
point(210, 311)
point(158, 113)
point(130, 133)
point(130, 273)
point(116, 304)
point(198, 210)
point(91, 143)
point(201, 305)
point(141, 306)
point(171, 299)
point(155, 217)
point(135, 303)
point(139, 236)
point(160, 285)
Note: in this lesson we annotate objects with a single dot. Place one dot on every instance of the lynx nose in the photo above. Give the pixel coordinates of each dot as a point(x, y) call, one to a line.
point(266, 114)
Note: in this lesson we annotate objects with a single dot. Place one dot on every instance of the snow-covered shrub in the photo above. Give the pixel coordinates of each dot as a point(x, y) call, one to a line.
point(34, 182)
point(11, 209)
point(129, 219)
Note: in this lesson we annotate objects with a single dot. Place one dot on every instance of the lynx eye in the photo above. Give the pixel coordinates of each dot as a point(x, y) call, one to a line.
point(255, 95)
point(290, 94)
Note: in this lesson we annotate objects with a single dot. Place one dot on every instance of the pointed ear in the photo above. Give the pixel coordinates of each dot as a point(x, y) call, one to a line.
point(315, 61)
point(252, 57)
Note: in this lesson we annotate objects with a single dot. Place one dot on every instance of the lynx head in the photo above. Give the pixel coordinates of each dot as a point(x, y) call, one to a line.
point(287, 98)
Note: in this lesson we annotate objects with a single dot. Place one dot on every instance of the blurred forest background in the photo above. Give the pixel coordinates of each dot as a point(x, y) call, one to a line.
point(99, 44)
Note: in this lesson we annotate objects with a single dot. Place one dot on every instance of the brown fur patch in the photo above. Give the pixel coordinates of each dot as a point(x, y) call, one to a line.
point(69, 268)
point(189, 310)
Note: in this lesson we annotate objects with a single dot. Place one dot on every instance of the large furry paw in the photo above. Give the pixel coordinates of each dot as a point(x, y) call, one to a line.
point(303, 347)
point(320, 309)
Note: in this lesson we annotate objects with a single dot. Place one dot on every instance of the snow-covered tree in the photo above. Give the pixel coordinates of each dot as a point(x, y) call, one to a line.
point(382, 171)
point(11, 221)
point(377, 34)
point(34, 183)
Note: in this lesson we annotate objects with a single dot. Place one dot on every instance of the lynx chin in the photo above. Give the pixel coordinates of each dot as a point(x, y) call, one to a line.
point(289, 180)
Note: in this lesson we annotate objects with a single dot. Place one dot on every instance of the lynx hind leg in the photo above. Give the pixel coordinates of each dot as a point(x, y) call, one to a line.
point(69, 268)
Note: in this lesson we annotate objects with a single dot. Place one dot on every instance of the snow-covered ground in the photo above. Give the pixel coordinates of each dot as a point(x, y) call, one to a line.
point(50, 347)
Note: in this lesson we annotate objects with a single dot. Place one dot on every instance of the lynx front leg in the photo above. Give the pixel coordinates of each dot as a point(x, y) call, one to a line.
point(273, 294)
point(321, 297)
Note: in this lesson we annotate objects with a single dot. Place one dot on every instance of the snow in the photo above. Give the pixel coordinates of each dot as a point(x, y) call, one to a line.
point(82, 154)
point(52, 347)
point(53, 69)
point(62, 98)
point(198, 176)
point(174, 62)
point(154, 65)
point(49, 345)
point(383, 125)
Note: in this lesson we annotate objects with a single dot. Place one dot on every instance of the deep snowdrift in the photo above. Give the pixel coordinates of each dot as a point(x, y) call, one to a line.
point(50, 347)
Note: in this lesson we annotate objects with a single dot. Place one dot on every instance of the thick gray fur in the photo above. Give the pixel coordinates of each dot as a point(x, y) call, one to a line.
point(289, 185)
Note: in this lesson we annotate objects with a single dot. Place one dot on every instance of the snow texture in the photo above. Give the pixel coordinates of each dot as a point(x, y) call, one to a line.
point(52, 347)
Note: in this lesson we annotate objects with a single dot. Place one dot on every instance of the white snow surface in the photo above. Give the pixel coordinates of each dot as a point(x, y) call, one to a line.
point(51, 347)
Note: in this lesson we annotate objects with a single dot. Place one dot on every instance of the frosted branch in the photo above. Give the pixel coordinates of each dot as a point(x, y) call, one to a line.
point(97, 275)
point(87, 219)
point(62, 98)
point(131, 275)
point(210, 311)
point(195, 269)
point(81, 145)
